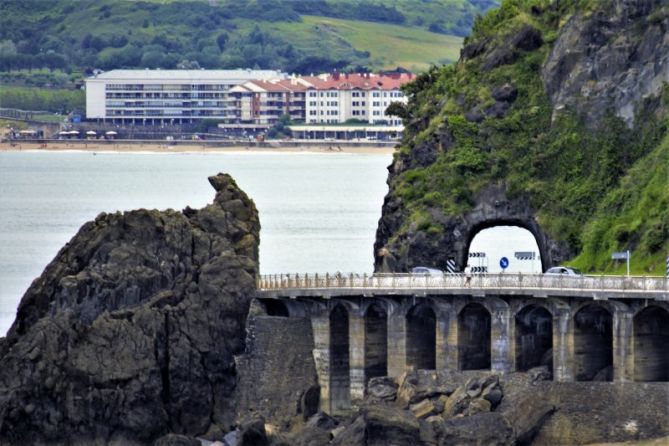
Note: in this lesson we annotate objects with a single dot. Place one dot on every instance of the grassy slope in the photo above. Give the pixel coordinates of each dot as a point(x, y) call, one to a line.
point(536, 157)
point(389, 45)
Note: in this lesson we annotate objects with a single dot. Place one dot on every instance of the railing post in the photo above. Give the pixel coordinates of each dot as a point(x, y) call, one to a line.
point(350, 280)
point(364, 280)
point(327, 280)
point(316, 280)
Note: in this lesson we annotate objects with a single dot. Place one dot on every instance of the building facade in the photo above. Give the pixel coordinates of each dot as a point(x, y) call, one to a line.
point(166, 97)
point(256, 98)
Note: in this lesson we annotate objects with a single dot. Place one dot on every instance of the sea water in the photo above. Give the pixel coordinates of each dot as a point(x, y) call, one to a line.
point(318, 211)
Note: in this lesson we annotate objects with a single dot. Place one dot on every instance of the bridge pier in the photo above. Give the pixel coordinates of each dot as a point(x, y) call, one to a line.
point(623, 355)
point(357, 356)
point(397, 335)
point(563, 345)
point(320, 325)
point(501, 359)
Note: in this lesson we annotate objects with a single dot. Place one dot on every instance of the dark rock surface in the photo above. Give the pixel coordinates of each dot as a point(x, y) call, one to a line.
point(609, 60)
point(130, 332)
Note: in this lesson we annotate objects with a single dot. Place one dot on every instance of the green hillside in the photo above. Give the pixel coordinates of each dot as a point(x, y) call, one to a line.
point(293, 36)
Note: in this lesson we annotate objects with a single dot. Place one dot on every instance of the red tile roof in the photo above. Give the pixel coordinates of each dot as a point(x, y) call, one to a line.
point(360, 81)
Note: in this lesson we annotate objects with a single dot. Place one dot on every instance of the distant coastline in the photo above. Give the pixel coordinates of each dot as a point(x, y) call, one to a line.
point(195, 147)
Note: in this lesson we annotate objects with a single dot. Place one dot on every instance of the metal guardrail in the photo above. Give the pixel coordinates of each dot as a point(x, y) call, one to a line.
point(539, 282)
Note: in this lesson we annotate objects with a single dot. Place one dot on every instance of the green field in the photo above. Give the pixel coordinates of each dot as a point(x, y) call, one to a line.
point(389, 45)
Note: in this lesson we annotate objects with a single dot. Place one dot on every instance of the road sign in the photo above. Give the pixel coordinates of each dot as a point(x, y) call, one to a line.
point(504, 263)
point(450, 266)
point(525, 255)
point(476, 254)
point(625, 255)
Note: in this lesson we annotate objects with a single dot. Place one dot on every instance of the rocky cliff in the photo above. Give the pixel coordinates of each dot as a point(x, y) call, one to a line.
point(131, 331)
point(554, 120)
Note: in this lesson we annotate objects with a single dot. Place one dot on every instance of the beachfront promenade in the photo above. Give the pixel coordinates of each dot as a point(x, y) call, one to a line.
point(603, 328)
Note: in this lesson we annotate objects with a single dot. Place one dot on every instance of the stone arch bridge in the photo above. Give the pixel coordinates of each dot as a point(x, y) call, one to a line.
point(581, 328)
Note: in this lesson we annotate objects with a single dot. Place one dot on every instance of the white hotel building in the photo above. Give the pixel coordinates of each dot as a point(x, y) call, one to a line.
point(255, 98)
point(149, 97)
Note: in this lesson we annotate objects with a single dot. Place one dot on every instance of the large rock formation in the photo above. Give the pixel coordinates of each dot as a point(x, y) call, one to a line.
point(131, 331)
point(548, 113)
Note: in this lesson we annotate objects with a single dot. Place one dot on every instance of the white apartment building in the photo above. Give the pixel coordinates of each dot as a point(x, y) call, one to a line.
point(255, 98)
point(150, 97)
point(336, 98)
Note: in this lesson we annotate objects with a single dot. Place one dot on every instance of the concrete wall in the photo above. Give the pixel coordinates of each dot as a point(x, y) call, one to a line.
point(277, 369)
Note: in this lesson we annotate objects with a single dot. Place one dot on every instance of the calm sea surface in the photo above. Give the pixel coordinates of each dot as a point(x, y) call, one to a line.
point(318, 211)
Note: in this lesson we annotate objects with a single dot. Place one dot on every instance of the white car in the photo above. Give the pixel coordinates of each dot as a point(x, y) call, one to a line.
point(424, 270)
point(563, 271)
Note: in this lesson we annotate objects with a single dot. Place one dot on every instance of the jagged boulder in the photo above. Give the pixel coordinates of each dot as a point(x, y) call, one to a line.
point(130, 332)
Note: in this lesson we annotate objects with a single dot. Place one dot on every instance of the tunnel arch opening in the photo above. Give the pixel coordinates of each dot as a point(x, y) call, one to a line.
point(340, 365)
point(474, 335)
point(534, 338)
point(376, 342)
point(593, 344)
point(503, 238)
point(421, 341)
point(651, 345)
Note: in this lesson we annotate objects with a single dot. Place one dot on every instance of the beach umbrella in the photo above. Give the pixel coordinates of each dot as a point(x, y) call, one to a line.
point(73, 132)
point(27, 132)
point(111, 132)
point(91, 132)
point(64, 133)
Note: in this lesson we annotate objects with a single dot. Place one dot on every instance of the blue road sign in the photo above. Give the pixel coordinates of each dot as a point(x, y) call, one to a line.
point(504, 263)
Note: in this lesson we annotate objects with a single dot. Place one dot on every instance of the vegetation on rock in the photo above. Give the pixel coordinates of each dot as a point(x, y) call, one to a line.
point(597, 181)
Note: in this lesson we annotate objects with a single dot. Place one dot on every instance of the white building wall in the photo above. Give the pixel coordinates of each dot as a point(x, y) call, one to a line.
point(95, 100)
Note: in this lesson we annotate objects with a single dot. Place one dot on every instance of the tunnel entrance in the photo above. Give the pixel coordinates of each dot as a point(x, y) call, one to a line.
point(340, 376)
point(651, 345)
point(376, 342)
point(421, 338)
point(474, 337)
point(593, 344)
point(534, 338)
point(490, 243)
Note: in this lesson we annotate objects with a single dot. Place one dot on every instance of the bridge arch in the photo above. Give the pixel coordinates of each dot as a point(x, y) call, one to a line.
point(534, 337)
point(274, 307)
point(593, 343)
point(651, 344)
point(376, 341)
point(340, 364)
point(421, 338)
point(474, 337)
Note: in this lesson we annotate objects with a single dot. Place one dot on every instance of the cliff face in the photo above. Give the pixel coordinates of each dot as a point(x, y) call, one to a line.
point(130, 332)
point(542, 124)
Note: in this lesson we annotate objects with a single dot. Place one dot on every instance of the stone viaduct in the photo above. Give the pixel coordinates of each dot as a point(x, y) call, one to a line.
point(582, 329)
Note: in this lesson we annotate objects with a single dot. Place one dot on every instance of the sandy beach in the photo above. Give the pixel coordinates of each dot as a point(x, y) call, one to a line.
point(158, 147)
